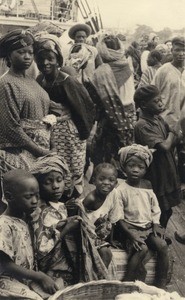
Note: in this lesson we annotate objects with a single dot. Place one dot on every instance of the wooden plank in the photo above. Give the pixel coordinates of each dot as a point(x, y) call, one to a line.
point(177, 223)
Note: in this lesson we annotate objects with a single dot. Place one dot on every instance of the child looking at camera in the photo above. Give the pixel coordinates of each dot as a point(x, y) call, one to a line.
point(101, 208)
point(141, 215)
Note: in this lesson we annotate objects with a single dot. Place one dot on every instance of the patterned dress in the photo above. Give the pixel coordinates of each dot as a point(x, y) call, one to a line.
point(72, 258)
point(67, 138)
point(15, 242)
point(23, 105)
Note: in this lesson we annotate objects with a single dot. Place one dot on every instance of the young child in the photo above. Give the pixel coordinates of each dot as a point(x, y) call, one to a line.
point(141, 214)
point(152, 130)
point(21, 191)
point(101, 207)
point(60, 247)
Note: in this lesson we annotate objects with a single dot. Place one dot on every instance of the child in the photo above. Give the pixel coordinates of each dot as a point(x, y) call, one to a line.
point(21, 191)
point(141, 213)
point(151, 130)
point(101, 207)
point(60, 255)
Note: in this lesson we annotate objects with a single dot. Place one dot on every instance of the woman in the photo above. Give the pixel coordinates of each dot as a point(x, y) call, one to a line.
point(73, 107)
point(24, 135)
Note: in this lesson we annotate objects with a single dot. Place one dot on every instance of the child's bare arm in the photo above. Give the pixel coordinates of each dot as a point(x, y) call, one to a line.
point(8, 267)
point(168, 143)
point(89, 200)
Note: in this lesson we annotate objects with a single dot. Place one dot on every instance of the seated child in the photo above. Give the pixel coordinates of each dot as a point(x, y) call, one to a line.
point(152, 131)
point(141, 212)
point(101, 208)
point(59, 243)
point(21, 191)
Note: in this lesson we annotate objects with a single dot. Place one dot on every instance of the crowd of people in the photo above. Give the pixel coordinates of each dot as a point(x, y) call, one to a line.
point(120, 112)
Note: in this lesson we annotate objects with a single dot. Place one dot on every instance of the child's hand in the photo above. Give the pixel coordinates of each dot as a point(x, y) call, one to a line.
point(158, 230)
point(47, 283)
point(137, 243)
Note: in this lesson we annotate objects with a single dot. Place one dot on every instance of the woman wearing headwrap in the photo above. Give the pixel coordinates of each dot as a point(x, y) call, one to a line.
point(72, 106)
point(114, 85)
point(25, 132)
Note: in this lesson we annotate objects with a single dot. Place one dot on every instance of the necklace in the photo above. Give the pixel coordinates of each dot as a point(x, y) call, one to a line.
point(48, 85)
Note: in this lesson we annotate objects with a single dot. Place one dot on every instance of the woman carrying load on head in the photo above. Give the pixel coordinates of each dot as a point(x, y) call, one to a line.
point(72, 105)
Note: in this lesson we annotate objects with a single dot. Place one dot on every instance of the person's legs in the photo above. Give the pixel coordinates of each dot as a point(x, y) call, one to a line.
point(106, 255)
point(157, 244)
point(135, 267)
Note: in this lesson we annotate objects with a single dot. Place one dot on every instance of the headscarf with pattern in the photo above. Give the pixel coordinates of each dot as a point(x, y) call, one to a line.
point(49, 163)
point(15, 40)
point(46, 41)
point(142, 152)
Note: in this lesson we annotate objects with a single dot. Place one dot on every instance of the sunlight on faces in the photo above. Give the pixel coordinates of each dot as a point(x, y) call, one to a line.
point(80, 37)
point(178, 52)
point(105, 180)
point(135, 169)
point(47, 62)
point(52, 186)
point(154, 106)
point(23, 194)
point(21, 59)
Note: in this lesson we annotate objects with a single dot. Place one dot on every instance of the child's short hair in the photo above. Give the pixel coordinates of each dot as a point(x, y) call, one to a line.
point(12, 178)
point(145, 94)
point(101, 166)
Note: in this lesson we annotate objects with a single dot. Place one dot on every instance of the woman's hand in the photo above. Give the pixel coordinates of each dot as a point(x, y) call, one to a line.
point(47, 283)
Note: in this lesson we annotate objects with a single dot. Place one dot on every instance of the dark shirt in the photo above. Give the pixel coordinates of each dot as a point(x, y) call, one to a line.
point(162, 172)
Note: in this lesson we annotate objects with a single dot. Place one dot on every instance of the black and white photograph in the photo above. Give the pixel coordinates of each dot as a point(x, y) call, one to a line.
point(92, 150)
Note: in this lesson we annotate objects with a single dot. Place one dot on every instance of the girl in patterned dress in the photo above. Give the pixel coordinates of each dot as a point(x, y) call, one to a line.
point(61, 240)
point(16, 251)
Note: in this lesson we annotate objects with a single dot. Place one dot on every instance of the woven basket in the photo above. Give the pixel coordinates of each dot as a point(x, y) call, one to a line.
point(97, 290)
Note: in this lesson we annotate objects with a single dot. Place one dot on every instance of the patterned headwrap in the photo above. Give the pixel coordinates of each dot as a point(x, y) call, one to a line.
point(46, 41)
point(15, 40)
point(142, 152)
point(49, 163)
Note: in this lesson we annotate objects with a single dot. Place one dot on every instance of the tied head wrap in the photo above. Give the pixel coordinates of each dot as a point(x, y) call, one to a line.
point(142, 152)
point(49, 163)
point(50, 42)
point(15, 40)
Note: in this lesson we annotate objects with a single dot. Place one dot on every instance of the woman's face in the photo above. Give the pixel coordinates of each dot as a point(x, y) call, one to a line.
point(21, 59)
point(47, 62)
